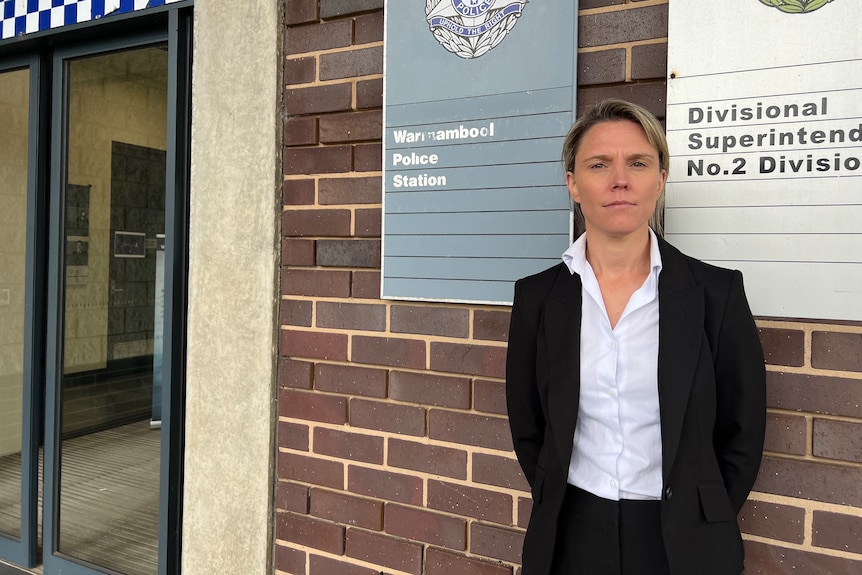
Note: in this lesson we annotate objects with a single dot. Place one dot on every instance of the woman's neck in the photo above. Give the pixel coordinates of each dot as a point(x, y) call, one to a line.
point(614, 257)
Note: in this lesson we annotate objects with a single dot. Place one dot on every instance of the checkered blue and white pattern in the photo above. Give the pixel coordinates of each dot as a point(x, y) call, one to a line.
point(19, 17)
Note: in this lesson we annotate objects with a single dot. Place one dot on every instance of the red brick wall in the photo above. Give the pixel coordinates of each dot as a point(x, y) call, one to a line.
point(394, 452)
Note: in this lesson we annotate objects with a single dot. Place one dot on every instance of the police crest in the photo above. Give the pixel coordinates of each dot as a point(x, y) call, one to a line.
point(470, 28)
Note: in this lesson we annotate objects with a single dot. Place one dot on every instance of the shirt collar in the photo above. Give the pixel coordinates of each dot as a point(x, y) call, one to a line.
point(575, 257)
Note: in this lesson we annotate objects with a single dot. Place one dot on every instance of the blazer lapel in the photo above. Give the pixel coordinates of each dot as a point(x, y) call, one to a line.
point(680, 336)
point(562, 331)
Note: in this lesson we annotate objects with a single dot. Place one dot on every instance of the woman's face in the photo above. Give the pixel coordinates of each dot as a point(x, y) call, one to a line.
point(617, 179)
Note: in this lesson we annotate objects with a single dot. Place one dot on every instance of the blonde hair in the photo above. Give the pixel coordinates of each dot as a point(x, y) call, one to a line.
point(615, 110)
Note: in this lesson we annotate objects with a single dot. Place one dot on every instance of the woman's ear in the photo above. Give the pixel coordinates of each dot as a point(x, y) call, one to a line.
point(662, 182)
point(573, 187)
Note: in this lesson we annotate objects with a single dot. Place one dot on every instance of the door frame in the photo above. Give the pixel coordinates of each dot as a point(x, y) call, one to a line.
point(45, 53)
point(23, 550)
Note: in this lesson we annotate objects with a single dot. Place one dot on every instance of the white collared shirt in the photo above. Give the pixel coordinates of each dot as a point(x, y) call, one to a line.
point(617, 445)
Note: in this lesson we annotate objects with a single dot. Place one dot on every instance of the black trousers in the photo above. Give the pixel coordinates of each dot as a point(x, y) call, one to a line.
point(599, 536)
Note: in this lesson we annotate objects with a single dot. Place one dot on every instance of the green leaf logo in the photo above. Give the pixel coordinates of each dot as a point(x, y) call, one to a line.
point(796, 6)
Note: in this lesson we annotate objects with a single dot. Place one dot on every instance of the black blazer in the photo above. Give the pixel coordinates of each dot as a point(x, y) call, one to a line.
point(711, 384)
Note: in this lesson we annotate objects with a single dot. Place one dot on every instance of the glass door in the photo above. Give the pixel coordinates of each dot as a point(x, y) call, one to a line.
point(104, 443)
point(20, 364)
point(94, 176)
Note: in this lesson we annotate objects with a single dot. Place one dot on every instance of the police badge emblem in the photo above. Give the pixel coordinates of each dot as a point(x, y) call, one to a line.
point(470, 28)
point(796, 6)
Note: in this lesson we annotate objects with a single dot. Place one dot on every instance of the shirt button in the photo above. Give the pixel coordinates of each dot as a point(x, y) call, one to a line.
point(613, 482)
point(617, 438)
point(612, 345)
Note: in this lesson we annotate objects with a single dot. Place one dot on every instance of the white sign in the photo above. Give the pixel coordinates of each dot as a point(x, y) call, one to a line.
point(764, 123)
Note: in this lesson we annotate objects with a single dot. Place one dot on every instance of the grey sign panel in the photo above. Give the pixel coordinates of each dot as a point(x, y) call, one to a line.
point(478, 97)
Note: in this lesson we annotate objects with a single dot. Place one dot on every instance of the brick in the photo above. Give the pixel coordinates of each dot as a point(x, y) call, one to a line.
point(467, 501)
point(293, 436)
point(785, 433)
point(364, 190)
point(434, 459)
point(649, 61)
point(428, 389)
point(499, 471)
point(369, 94)
point(300, 131)
point(440, 562)
point(318, 36)
point(291, 561)
point(783, 346)
point(312, 406)
point(322, 283)
point(359, 316)
point(395, 418)
point(294, 373)
point(773, 521)
point(310, 532)
point(368, 28)
point(335, 8)
point(496, 542)
point(298, 192)
point(839, 531)
point(297, 252)
point(325, 222)
point(352, 63)
point(814, 393)
point(365, 285)
point(291, 497)
point(471, 359)
point(346, 509)
point(489, 396)
point(348, 253)
point(491, 324)
point(369, 223)
point(368, 157)
point(385, 551)
point(318, 565)
point(763, 559)
point(318, 99)
point(397, 352)
point(296, 312)
point(351, 127)
point(426, 526)
point(350, 379)
point(300, 70)
point(443, 321)
point(619, 26)
point(318, 160)
point(604, 67)
point(838, 440)
point(525, 509)
point(470, 429)
point(293, 466)
point(650, 95)
point(345, 445)
point(838, 351)
point(385, 485)
point(330, 346)
point(810, 480)
point(300, 11)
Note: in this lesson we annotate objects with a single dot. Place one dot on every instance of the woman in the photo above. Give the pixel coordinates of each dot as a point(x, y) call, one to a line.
point(635, 378)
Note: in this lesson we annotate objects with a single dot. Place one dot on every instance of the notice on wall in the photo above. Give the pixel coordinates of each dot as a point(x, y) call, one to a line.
point(764, 124)
point(479, 95)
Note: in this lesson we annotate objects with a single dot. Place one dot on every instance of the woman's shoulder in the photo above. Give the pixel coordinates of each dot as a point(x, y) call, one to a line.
point(701, 271)
point(542, 280)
